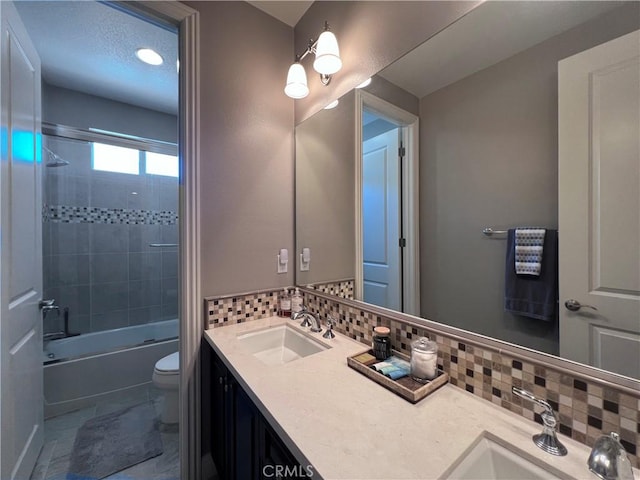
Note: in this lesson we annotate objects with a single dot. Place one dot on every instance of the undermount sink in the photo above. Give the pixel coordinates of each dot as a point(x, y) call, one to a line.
point(491, 458)
point(279, 345)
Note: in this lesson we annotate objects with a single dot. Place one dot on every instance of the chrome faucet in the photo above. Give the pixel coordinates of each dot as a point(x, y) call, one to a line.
point(297, 315)
point(310, 320)
point(546, 440)
point(608, 459)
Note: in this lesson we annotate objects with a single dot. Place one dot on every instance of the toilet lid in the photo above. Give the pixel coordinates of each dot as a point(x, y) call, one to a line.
point(170, 363)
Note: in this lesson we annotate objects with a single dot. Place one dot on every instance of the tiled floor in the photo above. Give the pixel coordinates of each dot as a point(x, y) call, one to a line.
point(60, 433)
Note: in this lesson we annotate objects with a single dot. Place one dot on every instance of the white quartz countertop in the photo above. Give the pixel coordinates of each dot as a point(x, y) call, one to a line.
point(348, 427)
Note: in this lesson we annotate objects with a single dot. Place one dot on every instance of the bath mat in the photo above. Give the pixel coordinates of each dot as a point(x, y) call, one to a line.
point(110, 443)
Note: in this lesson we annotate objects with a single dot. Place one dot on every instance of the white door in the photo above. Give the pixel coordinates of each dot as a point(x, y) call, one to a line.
point(381, 221)
point(599, 205)
point(21, 403)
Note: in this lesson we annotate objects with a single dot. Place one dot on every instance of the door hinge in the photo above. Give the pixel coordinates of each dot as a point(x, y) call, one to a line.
point(402, 152)
point(402, 242)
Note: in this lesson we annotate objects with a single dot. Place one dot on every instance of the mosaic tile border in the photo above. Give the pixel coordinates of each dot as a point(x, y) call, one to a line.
point(340, 288)
point(128, 216)
point(586, 408)
point(240, 308)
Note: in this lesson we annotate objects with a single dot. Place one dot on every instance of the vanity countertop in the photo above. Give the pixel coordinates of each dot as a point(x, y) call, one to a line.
point(349, 427)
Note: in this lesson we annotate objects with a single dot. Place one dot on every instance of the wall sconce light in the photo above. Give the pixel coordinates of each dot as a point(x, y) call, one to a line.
point(327, 63)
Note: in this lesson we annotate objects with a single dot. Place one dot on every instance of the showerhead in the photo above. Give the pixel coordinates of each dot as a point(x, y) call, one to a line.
point(53, 160)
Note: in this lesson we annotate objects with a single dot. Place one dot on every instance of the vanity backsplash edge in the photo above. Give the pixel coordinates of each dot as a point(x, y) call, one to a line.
point(586, 408)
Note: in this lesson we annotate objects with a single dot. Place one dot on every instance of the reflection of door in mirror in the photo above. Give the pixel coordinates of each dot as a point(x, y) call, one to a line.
point(381, 213)
point(387, 270)
point(599, 180)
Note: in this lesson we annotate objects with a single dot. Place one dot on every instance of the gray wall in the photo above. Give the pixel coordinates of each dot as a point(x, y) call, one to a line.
point(488, 149)
point(325, 193)
point(69, 107)
point(101, 267)
point(371, 35)
point(246, 146)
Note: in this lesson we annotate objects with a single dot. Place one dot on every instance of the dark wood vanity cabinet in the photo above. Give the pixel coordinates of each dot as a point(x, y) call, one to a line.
point(241, 443)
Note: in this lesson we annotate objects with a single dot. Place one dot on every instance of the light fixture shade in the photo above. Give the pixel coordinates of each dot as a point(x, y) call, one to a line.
point(296, 86)
point(332, 105)
point(364, 84)
point(327, 59)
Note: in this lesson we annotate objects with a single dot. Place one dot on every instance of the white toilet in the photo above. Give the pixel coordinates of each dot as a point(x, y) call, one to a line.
point(166, 376)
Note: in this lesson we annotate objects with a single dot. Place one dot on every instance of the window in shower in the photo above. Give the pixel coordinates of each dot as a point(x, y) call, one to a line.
point(161, 164)
point(111, 158)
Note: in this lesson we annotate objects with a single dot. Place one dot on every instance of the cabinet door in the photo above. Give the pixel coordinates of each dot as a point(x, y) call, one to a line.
point(246, 421)
point(276, 461)
point(219, 424)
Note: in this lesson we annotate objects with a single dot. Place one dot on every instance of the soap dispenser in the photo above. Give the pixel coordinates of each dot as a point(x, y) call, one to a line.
point(284, 304)
point(296, 301)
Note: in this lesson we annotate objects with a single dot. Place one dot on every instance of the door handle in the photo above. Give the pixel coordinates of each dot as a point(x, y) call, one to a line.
point(43, 304)
point(575, 305)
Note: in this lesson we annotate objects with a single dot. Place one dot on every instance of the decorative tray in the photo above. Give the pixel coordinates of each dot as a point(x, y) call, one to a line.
point(406, 387)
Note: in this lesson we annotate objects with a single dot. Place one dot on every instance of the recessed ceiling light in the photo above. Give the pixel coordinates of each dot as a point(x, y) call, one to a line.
point(149, 56)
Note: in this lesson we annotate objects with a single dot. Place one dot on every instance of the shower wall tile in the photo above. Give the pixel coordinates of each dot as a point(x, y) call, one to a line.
point(67, 190)
point(68, 269)
point(109, 192)
point(169, 312)
point(109, 238)
point(169, 264)
point(144, 293)
point(79, 323)
point(109, 267)
point(108, 297)
point(169, 291)
point(109, 320)
point(169, 234)
point(145, 266)
point(142, 315)
point(145, 198)
point(167, 195)
point(69, 238)
point(140, 236)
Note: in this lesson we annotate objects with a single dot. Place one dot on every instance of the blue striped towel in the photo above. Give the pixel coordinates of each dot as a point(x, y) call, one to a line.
point(528, 254)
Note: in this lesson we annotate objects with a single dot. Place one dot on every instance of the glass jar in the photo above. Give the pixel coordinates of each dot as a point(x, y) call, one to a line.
point(381, 343)
point(424, 360)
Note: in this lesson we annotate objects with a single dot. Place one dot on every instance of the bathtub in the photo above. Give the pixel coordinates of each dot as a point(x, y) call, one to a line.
point(80, 371)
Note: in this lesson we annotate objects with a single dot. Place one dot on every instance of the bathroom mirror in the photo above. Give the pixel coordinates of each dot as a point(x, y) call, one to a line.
point(485, 92)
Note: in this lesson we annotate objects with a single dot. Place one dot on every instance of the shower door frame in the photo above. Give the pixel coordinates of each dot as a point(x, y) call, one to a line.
point(190, 295)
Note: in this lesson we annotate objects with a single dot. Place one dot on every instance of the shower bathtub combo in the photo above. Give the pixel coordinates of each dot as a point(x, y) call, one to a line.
point(81, 370)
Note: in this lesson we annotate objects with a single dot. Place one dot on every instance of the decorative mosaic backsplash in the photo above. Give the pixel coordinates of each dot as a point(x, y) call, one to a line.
point(586, 409)
point(342, 288)
point(241, 308)
point(128, 216)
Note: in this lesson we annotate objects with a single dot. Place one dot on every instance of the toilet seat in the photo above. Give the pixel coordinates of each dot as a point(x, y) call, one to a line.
point(169, 365)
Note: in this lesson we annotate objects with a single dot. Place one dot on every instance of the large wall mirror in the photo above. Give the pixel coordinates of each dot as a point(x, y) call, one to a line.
point(520, 114)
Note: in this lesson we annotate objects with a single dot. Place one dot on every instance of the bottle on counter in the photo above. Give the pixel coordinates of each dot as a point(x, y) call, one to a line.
point(284, 304)
point(381, 343)
point(296, 301)
point(424, 360)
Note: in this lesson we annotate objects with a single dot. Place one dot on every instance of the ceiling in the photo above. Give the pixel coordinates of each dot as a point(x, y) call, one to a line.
point(289, 12)
point(90, 47)
point(487, 35)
